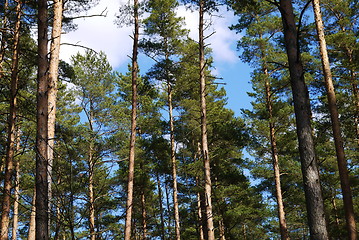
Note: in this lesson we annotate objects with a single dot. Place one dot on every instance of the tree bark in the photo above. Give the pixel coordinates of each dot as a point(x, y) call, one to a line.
point(144, 216)
point(337, 134)
point(42, 120)
point(52, 89)
point(275, 161)
point(174, 162)
point(32, 222)
point(10, 151)
point(3, 37)
point(205, 154)
point(16, 191)
point(131, 163)
point(310, 172)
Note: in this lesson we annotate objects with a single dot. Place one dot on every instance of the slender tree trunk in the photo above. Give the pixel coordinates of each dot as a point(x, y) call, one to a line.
point(144, 216)
point(91, 169)
point(32, 222)
point(161, 207)
point(337, 134)
point(91, 194)
point(335, 211)
point(52, 89)
point(3, 36)
point(17, 191)
point(222, 235)
point(275, 161)
point(199, 214)
point(41, 134)
point(205, 154)
point(355, 91)
point(10, 151)
point(168, 205)
point(174, 162)
point(310, 172)
point(131, 163)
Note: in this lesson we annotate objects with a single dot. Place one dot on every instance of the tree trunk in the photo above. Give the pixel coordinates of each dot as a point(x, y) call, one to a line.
point(338, 141)
point(161, 207)
point(205, 154)
point(52, 89)
point(32, 222)
point(10, 151)
point(131, 163)
point(17, 191)
point(3, 38)
point(41, 134)
point(174, 162)
point(275, 161)
point(91, 194)
point(222, 235)
point(144, 216)
point(199, 213)
point(310, 172)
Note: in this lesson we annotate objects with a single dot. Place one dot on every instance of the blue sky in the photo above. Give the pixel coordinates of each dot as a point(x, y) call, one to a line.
point(101, 34)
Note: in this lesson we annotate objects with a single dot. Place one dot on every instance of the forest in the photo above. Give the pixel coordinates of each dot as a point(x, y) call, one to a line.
point(89, 152)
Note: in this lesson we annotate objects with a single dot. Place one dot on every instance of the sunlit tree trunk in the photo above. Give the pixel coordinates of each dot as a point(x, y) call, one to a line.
point(16, 191)
point(91, 166)
point(10, 151)
point(42, 120)
point(144, 216)
point(205, 154)
point(131, 163)
point(32, 222)
point(174, 162)
point(310, 172)
point(275, 161)
point(338, 140)
point(52, 88)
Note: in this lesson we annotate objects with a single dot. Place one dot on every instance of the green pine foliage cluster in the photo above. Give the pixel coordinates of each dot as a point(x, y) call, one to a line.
point(93, 127)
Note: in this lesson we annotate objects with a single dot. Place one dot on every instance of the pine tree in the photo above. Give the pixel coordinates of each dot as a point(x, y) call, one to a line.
point(42, 122)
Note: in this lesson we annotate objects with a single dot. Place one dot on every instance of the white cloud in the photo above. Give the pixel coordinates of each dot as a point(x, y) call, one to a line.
point(102, 34)
point(221, 40)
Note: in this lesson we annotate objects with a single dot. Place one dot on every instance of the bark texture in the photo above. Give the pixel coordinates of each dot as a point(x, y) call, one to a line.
point(337, 134)
point(10, 150)
point(42, 120)
point(312, 187)
point(205, 154)
point(131, 163)
point(32, 222)
point(52, 87)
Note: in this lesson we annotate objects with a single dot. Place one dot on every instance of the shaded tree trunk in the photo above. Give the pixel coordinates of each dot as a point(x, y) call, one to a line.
point(161, 207)
point(275, 161)
point(10, 150)
point(338, 141)
point(52, 89)
point(205, 154)
point(131, 163)
point(42, 120)
point(310, 172)
point(3, 37)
